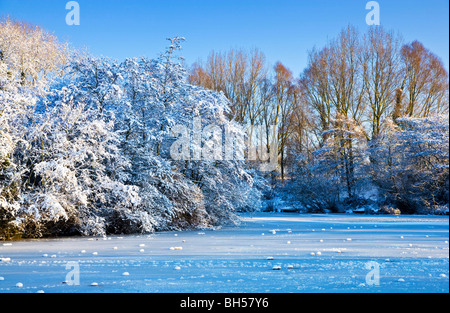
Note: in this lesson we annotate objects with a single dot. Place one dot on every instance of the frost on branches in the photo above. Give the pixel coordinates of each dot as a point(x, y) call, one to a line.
point(87, 152)
point(410, 164)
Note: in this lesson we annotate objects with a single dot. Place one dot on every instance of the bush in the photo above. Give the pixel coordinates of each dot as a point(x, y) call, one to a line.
point(389, 210)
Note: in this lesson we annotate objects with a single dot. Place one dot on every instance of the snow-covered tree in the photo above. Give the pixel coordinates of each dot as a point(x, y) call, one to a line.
point(32, 56)
point(85, 145)
point(342, 155)
point(157, 97)
point(410, 163)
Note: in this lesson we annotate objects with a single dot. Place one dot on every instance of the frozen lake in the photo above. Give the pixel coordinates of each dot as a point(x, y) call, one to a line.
point(267, 253)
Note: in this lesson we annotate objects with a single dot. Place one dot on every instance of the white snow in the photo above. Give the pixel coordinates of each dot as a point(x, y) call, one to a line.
point(239, 259)
point(276, 268)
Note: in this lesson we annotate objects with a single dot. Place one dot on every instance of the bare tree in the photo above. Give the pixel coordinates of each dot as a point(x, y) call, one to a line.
point(426, 81)
point(286, 98)
point(239, 75)
point(315, 87)
point(334, 88)
point(381, 75)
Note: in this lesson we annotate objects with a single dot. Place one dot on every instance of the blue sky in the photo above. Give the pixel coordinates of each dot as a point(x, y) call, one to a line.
point(283, 29)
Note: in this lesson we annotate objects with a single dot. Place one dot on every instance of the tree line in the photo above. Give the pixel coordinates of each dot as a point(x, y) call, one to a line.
point(333, 120)
point(84, 143)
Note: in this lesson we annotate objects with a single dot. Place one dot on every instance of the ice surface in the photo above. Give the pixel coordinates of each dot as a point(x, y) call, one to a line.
point(411, 251)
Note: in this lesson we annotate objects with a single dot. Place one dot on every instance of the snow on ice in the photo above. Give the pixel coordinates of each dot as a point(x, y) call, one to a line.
point(239, 259)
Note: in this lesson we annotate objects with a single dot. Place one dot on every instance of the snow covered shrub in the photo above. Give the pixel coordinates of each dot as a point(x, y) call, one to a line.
point(29, 57)
point(6, 148)
point(410, 163)
point(342, 156)
point(88, 152)
point(441, 210)
point(43, 215)
point(317, 193)
point(146, 117)
point(157, 98)
point(75, 167)
point(91, 224)
point(94, 81)
point(187, 204)
point(149, 97)
point(331, 180)
point(8, 212)
point(9, 184)
point(120, 209)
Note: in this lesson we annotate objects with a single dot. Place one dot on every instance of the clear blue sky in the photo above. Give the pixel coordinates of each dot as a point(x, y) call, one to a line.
point(283, 29)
